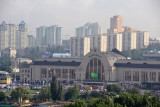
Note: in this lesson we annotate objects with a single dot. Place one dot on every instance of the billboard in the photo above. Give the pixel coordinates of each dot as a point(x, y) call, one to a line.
point(94, 75)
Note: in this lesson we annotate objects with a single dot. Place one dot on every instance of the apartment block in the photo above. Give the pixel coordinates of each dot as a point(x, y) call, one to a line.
point(89, 29)
point(80, 46)
point(129, 40)
point(142, 39)
point(114, 41)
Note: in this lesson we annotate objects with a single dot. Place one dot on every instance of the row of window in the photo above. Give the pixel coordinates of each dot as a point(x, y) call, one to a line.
point(145, 76)
point(64, 73)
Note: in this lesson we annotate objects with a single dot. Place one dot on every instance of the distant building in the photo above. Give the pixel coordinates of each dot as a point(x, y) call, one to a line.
point(48, 36)
point(114, 41)
point(40, 36)
point(4, 35)
point(22, 37)
point(89, 29)
point(66, 43)
point(129, 40)
point(98, 43)
point(94, 68)
point(80, 46)
point(31, 41)
point(131, 37)
point(9, 52)
point(142, 39)
point(13, 36)
point(116, 24)
point(5, 78)
point(53, 55)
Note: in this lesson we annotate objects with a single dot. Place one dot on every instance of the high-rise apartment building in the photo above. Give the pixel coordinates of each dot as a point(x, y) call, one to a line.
point(129, 40)
point(48, 36)
point(80, 46)
point(13, 31)
point(31, 41)
point(98, 43)
point(8, 33)
point(22, 37)
point(116, 24)
point(53, 35)
point(40, 36)
point(114, 41)
point(142, 39)
point(89, 29)
point(4, 42)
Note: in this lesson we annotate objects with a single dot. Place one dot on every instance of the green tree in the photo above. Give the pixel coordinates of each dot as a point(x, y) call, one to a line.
point(114, 87)
point(133, 90)
point(72, 93)
point(56, 89)
point(85, 96)
point(109, 102)
point(2, 96)
point(78, 103)
point(97, 102)
point(19, 94)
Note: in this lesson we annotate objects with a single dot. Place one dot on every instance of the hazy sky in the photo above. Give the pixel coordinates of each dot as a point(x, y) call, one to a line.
point(69, 14)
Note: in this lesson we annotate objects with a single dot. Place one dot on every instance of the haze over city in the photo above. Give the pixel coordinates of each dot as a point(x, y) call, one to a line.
point(70, 14)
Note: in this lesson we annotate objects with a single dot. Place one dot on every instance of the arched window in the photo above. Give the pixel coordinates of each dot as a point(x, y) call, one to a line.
point(95, 70)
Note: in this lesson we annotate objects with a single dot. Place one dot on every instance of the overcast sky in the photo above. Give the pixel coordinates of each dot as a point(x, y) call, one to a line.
point(69, 14)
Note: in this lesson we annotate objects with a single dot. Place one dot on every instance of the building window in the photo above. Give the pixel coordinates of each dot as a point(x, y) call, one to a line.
point(144, 76)
point(65, 73)
point(44, 73)
point(72, 74)
point(95, 67)
point(58, 73)
point(135, 75)
point(127, 75)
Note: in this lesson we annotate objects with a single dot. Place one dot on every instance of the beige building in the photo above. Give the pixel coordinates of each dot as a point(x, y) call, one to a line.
point(129, 40)
point(114, 41)
point(94, 67)
point(116, 24)
point(134, 72)
point(79, 46)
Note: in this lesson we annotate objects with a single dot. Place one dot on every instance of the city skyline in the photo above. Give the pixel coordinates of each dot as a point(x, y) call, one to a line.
point(143, 15)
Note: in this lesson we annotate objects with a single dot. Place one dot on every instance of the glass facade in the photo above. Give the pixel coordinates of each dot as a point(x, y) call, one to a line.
point(95, 66)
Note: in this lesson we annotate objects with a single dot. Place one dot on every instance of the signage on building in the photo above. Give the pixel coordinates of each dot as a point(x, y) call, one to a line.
point(94, 75)
point(94, 55)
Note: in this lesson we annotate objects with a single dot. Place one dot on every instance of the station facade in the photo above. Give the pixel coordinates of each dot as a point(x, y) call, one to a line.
point(95, 67)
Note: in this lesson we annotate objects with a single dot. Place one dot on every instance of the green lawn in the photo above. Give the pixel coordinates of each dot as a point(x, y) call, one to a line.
point(29, 91)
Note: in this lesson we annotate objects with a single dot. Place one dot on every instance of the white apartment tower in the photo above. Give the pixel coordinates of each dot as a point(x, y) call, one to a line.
point(22, 37)
point(40, 36)
point(48, 36)
point(89, 29)
point(142, 39)
point(129, 40)
point(4, 42)
point(53, 35)
point(79, 46)
point(114, 41)
point(98, 43)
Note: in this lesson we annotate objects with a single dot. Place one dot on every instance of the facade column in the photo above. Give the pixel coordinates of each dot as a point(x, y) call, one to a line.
point(140, 77)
